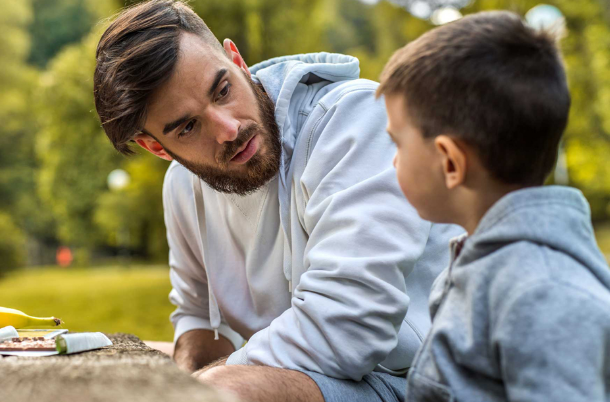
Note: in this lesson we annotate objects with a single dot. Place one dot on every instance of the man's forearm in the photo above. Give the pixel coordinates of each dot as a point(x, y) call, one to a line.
point(197, 348)
point(219, 362)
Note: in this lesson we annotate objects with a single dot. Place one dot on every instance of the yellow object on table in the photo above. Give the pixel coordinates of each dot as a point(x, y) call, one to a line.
point(18, 319)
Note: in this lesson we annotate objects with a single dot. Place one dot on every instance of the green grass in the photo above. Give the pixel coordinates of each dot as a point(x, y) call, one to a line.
point(110, 299)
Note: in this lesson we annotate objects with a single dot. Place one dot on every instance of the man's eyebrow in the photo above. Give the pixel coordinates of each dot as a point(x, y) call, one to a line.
point(217, 79)
point(169, 127)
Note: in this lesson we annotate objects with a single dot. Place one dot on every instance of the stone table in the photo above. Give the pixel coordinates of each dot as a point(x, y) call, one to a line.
point(128, 371)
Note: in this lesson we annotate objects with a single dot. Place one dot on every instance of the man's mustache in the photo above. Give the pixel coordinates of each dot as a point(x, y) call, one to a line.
point(231, 148)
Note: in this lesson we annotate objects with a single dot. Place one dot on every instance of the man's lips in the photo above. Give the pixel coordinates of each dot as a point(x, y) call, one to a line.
point(246, 151)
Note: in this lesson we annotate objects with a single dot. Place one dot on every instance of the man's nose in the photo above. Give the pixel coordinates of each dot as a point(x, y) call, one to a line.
point(224, 126)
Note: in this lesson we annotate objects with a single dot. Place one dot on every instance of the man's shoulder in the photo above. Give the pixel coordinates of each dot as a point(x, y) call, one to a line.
point(345, 135)
point(178, 181)
point(177, 174)
point(349, 114)
point(346, 92)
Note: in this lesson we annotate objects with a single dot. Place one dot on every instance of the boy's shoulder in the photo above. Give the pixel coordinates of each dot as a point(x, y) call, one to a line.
point(526, 278)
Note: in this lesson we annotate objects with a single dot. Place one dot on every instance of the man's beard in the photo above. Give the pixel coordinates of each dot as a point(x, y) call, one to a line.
point(259, 169)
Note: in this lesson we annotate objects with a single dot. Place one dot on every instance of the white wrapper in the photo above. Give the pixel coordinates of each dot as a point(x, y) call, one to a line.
point(81, 342)
point(7, 333)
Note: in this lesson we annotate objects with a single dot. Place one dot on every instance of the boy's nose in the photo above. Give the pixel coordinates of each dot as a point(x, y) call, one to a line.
point(394, 160)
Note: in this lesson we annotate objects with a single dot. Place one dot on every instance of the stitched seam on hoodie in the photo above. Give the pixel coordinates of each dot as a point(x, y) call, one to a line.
point(260, 212)
point(419, 334)
point(317, 123)
point(326, 109)
point(308, 149)
point(313, 130)
point(360, 87)
point(230, 197)
point(347, 77)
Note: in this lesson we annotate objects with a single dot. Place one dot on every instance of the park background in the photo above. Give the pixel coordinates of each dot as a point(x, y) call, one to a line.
point(56, 186)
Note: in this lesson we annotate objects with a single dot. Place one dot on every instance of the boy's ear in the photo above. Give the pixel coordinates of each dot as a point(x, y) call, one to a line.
point(454, 161)
point(234, 55)
point(153, 146)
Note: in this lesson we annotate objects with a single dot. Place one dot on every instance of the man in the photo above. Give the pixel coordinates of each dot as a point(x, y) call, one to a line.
point(284, 218)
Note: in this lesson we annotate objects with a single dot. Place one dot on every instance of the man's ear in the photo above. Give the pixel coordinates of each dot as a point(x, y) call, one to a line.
point(454, 161)
point(153, 146)
point(234, 55)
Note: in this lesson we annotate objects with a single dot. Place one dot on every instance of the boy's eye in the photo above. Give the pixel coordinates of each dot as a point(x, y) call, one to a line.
point(187, 129)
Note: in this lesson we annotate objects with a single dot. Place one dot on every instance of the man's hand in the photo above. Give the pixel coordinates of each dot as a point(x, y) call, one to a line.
point(197, 348)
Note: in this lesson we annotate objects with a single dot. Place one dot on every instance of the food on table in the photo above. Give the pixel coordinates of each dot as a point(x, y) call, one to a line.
point(38, 344)
point(18, 319)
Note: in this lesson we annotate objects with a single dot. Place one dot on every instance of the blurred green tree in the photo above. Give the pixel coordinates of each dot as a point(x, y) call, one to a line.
point(587, 52)
point(19, 212)
point(132, 218)
point(12, 245)
point(75, 157)
point(56, 24)
point(51, 112)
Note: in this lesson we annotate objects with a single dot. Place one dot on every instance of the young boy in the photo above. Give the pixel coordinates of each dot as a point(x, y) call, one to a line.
point(477, 109)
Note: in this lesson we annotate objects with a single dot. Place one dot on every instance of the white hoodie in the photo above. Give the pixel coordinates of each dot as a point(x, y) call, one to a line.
point(317, 268)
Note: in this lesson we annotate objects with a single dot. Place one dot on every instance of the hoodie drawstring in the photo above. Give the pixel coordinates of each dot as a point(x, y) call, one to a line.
point(214, 312)
point(213, 304)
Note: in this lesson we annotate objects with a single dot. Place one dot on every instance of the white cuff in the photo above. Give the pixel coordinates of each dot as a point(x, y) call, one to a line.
point(238, 357)
point(188, 323)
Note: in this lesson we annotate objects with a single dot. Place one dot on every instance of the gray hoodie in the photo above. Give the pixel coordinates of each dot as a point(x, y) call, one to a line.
point(523, 311)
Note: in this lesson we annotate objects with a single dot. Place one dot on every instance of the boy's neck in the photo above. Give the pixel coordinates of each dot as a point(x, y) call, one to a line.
point(476, 202)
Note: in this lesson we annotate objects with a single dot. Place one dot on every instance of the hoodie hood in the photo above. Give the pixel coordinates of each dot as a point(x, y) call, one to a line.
point(554, 216)
point(280, 77)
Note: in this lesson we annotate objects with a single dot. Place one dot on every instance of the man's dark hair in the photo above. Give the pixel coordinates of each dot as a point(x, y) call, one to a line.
point(135, 56)
point(493, 82)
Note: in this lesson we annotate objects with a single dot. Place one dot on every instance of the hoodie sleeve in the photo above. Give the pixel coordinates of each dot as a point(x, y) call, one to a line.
point(187, 273)
point(364, 239)
point(553, 344)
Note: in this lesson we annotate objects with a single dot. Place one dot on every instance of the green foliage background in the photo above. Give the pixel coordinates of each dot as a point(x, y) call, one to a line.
point(108, 299)
point(55, 159)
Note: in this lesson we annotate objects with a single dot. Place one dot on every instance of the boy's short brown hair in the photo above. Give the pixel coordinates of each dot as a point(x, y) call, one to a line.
point(493, 82)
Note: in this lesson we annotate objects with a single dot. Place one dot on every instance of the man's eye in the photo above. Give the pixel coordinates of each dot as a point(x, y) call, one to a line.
point(187, 129)
point(224, 91)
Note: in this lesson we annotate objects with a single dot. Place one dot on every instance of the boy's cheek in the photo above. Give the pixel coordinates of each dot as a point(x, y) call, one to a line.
point(400, 175)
